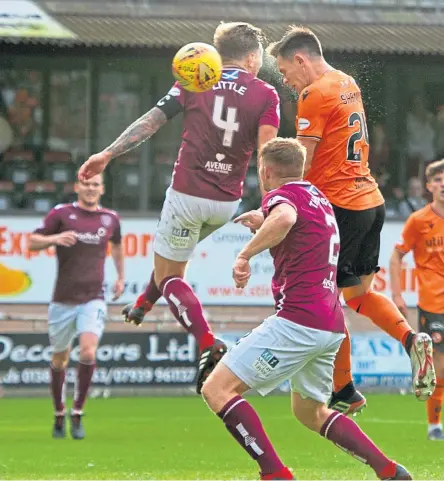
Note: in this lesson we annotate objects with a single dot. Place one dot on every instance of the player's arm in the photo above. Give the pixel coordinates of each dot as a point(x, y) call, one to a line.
point(407, 243)
point(268, 126)
point(310, 146)
point(273, 231)
point(312, 116)
point(137, 133)
point(48, 234)
point(117, 251)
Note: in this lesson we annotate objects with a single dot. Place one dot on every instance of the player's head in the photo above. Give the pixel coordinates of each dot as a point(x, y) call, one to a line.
point(296, 53)
point(435, 180)
point(90, 191)
point(281, 161)
point(240, 44)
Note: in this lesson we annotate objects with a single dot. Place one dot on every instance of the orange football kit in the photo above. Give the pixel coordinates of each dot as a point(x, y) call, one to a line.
point(330, 111)
point(423, 234)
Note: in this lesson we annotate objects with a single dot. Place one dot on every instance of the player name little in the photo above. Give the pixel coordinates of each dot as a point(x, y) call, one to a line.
point(224, 85)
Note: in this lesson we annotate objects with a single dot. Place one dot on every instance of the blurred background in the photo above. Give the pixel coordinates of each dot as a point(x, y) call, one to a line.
point(75, 73)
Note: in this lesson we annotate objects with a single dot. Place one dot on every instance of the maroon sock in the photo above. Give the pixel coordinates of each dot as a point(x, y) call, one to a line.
point(58, 388)
point(84, 375)
point(347, 435)
point(151, 294)
point(245, 426)
point(187, 309)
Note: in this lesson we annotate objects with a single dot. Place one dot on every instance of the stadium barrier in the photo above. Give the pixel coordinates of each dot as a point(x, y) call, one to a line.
point(26, 277)
point(127, 362)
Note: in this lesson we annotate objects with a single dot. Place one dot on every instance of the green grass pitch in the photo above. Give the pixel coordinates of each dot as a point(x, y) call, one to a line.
point(179, 438)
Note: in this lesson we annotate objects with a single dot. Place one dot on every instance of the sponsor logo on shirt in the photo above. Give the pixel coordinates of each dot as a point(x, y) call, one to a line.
point(303, 123)
point(91, 238)
point(218, 166)
point(329, 283)
point(180, 238)
point(265, 363)
point(106, 220)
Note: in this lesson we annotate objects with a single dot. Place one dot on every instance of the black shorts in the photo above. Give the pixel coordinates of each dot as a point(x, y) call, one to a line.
point(360, 232)
point(433, 325)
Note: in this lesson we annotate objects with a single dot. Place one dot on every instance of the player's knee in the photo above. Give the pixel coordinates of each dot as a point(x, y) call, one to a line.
point(211, 393)
point(60, 360)
point(87, 354)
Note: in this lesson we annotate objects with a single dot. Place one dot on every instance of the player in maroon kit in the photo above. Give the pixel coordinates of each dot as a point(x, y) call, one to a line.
point(300, 341)
point(222, 128)
point(80, 232)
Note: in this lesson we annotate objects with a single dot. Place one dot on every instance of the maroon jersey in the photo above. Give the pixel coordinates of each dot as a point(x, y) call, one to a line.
point(220, 132)
point(304, 283)
point(81, 267)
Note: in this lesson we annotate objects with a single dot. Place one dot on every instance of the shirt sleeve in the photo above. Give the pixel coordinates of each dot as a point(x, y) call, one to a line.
point(173, 102)
point(51, 224)
point(272, 199)
point(116, 238)
point(311, 117)
point(409, 236)
point(272, 112)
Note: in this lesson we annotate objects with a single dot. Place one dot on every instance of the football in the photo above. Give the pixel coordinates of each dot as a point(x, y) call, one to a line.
point(197, 67)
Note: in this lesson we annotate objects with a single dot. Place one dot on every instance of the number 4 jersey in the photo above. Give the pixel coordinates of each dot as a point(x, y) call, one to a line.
point(330, 111)
point(305, 262)
point(220, 131)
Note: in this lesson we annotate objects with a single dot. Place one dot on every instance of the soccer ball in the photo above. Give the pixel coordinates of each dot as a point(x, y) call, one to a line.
point(197, 67)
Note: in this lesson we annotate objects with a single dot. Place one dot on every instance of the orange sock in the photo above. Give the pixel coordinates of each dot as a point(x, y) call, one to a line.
point(382, 312)
point(434, 403)
point(342, 374)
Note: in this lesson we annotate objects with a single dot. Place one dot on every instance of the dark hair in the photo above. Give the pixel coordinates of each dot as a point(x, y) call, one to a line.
point(235, 40)
point(433, 169)
point(287, 154)
point(296, 38)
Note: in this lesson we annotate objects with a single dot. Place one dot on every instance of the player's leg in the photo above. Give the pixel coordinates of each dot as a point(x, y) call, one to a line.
point(260, 362)
point(90, 321)
point(311, 389)
point(61, 330)
point(384, 313)
point(352, 228)
point(433, 324)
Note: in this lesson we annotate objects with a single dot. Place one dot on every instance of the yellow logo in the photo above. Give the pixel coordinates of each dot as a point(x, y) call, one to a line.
point(13, 282)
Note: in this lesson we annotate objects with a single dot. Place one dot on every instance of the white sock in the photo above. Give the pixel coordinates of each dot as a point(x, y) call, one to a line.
point(434, 426)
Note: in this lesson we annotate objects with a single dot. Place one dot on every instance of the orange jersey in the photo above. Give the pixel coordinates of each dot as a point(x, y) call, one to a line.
point(424, 234)
point(330, 110)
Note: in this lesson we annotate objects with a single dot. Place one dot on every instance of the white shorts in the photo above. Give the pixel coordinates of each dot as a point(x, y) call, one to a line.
point(279, 350)
point(185, 220)
point(66, 321)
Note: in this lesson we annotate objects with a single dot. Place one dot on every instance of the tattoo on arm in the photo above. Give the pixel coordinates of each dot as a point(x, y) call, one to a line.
point(139, 131)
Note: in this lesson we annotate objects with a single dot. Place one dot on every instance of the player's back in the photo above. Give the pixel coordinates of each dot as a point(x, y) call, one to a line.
point(220, 134)
point(331, 111)
point(304, 283)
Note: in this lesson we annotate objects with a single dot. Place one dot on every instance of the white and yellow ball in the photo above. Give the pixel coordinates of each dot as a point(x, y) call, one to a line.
point(197, 67)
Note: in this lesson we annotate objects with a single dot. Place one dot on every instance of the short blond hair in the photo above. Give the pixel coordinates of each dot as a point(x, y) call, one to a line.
point(286, 154)
point(433, 169)
point(235, 40)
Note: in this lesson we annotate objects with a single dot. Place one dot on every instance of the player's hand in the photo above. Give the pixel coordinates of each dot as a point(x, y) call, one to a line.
point(118, 289)
point(241, 272)
point(253, 220)
point(66, 239)
point(401, 305)
point(94, 165)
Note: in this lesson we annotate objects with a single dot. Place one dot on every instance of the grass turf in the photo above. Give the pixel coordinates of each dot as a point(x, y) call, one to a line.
point(178, 438)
